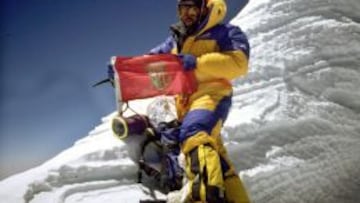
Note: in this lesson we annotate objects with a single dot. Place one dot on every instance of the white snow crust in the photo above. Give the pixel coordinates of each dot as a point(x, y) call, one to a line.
point(293, 131)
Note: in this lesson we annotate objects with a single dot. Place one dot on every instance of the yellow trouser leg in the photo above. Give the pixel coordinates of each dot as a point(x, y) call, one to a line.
point(203, 170)
point(235, 191)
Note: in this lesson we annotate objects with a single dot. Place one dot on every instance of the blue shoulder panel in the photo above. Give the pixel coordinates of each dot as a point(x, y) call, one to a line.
point(228, 37)
point(164, 48)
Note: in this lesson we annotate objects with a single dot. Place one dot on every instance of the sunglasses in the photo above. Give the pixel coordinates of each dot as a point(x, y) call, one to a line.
point(188, 8)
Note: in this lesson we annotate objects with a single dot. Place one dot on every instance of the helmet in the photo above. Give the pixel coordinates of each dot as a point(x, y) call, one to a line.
point(197, 3)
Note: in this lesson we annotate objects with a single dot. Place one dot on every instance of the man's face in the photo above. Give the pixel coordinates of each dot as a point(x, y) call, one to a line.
point(189, 14)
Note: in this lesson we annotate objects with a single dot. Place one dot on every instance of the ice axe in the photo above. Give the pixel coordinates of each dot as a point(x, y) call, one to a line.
point(107, 80)
point(110, 79)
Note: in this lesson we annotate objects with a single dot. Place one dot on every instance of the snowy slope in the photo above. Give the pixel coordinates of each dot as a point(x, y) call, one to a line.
point(301, 140)
point(293, 132)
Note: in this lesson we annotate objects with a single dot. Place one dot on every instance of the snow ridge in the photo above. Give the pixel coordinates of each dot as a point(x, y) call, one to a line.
point(305, 73)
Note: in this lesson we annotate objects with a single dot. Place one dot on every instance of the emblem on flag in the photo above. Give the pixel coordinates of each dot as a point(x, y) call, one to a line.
point(160, 79)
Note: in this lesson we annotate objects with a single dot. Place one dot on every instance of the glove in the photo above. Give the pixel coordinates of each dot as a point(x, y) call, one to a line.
point(110, 72)
point(188, 61)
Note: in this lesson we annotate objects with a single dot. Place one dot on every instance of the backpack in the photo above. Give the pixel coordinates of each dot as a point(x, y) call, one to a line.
point(165, 138)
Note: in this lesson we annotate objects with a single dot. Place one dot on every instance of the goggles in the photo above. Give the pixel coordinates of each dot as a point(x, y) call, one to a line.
point(189, 8)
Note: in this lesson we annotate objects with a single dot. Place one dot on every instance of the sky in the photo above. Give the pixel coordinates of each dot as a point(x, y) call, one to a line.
point(51, 53)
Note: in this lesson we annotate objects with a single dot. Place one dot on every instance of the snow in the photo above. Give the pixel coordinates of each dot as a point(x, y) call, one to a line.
point(293, 131)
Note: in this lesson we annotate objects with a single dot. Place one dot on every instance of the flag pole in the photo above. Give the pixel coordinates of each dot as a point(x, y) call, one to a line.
point(118, 96)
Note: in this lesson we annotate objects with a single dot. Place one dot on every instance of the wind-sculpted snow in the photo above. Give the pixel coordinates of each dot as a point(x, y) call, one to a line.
point(293, 131)
point(300, 140)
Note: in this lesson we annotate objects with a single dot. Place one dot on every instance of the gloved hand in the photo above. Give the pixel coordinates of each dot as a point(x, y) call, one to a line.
point(188, 61)
point(110, 72)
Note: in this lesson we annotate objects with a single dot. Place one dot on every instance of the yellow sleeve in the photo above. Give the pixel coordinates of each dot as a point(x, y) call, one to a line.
point(221, 65)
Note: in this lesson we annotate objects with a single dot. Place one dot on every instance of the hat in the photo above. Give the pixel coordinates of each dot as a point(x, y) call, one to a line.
point(197, 3)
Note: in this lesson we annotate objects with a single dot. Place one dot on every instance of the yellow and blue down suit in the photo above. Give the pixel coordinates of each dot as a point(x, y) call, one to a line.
point(222, 52)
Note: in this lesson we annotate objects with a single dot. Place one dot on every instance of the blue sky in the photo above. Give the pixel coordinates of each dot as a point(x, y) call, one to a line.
point(51, 52)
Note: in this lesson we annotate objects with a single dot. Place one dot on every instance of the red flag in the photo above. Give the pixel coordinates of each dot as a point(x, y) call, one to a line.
point(152, 75)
